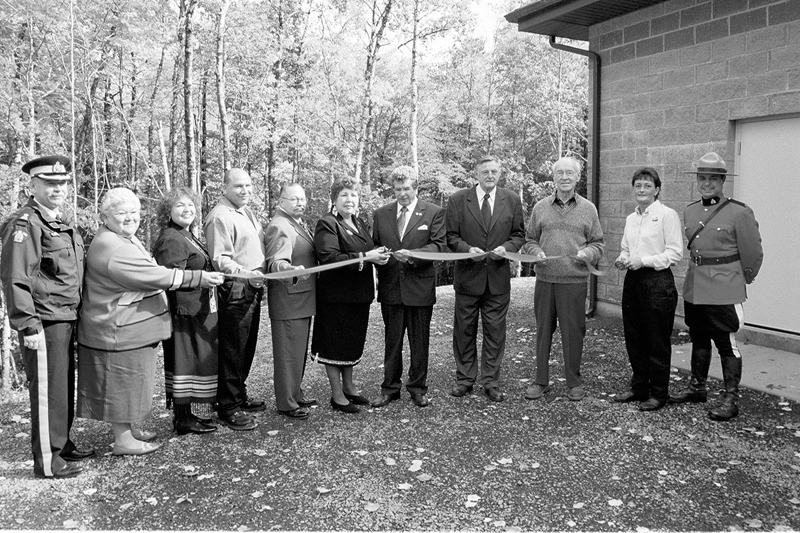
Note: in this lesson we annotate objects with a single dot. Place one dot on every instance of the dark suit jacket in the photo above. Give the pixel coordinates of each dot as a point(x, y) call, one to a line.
point(286, 240)
point(336, 241)
point(414, 282)
point(465, 230)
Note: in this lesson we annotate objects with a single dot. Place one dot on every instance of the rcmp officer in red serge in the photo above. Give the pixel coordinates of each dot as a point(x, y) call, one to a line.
point(42, 274)
point(724, 255)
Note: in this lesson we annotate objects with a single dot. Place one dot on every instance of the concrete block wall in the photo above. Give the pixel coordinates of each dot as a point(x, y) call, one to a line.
point(675, 79)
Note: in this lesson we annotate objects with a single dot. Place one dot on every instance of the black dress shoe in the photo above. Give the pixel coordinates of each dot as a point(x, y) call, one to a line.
point(384, 399)
point(494, 394)
point(252, 405)
point(190, 425)
point(68, 470)
point(627, 397)
point(77, 455)
point(420, 400)
point(689, 396)
point(652, 404)
point(300, 413)
point(357, 399)
point(461, 390)
point(346, 408)
point(308, 402)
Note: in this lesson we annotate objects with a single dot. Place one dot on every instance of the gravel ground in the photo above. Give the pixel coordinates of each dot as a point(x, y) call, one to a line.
point(460, 464)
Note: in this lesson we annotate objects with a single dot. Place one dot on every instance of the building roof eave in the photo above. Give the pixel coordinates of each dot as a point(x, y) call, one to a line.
point(571, 19)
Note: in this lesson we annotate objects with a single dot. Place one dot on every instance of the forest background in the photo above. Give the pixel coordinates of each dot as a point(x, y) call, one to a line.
point(152, 94)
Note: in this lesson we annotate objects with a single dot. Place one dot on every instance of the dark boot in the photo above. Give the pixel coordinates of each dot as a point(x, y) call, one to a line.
point(732, 375)
point(697, 391)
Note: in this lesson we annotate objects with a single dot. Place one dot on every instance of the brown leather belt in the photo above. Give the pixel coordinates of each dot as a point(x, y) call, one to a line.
point(699, 260)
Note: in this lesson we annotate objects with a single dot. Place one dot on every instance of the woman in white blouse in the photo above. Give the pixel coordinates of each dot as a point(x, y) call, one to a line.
point(651, 244)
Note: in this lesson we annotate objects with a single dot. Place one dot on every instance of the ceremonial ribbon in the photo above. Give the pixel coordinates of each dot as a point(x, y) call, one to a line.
point(428, 256)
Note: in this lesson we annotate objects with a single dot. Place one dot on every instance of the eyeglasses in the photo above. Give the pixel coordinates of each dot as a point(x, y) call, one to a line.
point(568, 173)
point(295, 199)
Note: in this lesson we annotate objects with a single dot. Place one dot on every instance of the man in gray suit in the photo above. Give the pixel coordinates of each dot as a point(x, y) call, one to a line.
point(292, 302)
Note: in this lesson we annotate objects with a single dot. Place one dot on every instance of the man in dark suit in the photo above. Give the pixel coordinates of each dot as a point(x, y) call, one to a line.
point(482, 218)
point(292, 302)
point(407, 286)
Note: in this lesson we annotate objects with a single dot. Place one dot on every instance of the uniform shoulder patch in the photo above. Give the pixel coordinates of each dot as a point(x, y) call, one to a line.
point(20, 236)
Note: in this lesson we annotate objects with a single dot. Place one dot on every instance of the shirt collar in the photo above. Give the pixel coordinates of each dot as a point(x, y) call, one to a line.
point(714, 200)
point(411, 207)
point(481, 193)
point(224, 201)
point(556, 200)
point(649, 208)
point(52, 213)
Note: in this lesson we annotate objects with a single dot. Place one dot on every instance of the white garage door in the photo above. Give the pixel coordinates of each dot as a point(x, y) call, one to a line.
point(768, 164)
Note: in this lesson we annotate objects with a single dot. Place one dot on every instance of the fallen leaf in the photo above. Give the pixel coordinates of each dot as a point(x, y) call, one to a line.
point(71, 524)
point(470, 504)
point(251, 471)
point(260, 453)
point(614, 503)
point(184, 498)
point(257, 494)
point(16, 418)
point(647, 438)
point(205, 476)
point(416, 465)
point(571, 523)
point(323, 490)
point(794, 501)
point(473, 498)
point(272, 433)
point(754, 523)
point(505, 461)
point(735, 462)
point(424, 477)
point(372, 507)
point(721, 470)
point(419, 450)
point(499, 523)
point(125, 506)
point(404, 486)
point(389, 461)
point(152, 501)
point(662, 472)
point(535, 465)
point(21, 436)
point(271, 483)
point(489, 468)
point(404, 420)
point(236, 479)
point(89, 492)
point(360, 452)
point(616, 428)
point(578, 505)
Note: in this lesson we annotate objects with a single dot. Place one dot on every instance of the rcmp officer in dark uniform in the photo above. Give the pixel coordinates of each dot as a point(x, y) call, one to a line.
point(725, 254)
point(42, 275)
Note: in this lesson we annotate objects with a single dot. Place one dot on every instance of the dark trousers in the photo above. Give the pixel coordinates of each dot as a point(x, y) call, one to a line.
point(289, 349)
point(417, 320)
point(649, 299)
point(51, 375)
point(493, 309)
point(564, 304)
point(239, 317)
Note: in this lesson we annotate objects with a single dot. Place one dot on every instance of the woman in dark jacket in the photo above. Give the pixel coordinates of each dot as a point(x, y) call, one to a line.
point(190, 355)
point(344, 294)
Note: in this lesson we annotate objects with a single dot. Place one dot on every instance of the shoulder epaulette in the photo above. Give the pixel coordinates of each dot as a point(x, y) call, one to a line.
point(694, 202)
point(737, 202)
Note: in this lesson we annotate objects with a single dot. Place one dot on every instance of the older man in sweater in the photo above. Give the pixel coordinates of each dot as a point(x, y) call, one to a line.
point(564, 224)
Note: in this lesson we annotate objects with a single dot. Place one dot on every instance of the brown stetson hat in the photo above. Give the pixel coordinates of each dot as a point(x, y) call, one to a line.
point(711, 163)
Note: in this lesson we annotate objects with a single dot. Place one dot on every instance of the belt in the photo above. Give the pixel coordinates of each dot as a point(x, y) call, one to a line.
point(699, 260)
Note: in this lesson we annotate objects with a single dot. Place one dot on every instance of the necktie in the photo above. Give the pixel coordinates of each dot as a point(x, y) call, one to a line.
point(401, 221)
point(486, 211)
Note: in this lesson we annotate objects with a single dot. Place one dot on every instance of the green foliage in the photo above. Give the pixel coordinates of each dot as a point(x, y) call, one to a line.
point(294, 86)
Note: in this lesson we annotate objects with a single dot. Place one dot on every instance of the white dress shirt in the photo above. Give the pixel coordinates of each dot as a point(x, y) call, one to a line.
point(481, 193)
point(411, 207)
point(655, 235)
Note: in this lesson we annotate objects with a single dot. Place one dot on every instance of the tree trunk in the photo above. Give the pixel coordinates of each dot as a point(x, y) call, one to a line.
point(220, 73)
point(188, 99)
point(378, 24)
point(414, 95)
point(150, 125)
point(176, 75)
